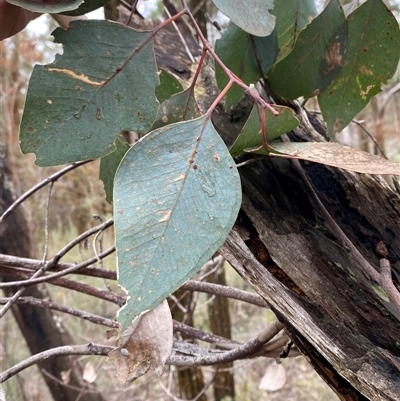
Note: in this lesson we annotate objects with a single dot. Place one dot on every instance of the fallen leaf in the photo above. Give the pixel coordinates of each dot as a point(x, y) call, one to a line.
point(274, 378)
point(89, 373)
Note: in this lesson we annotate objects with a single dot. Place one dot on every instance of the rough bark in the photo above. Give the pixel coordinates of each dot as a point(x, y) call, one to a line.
point(339, 318)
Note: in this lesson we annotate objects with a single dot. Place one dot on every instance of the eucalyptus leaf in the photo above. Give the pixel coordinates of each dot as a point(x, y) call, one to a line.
point(86, 7)
point(176, 196)
point(169, 85)
point(275, 125)
point(372, 58)
point(76, 106)
point(179, 107)
point(248, 57)
point(292, 16)
point(316, 58)
point(51, 7)
point(333, 154)
point(109, 165)
point(252, 15)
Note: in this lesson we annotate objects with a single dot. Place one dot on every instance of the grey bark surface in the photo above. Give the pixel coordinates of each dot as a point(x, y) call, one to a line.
point(339, 318)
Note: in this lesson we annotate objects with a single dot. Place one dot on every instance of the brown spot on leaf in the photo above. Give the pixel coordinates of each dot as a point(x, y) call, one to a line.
point(337, 126)
point(364, 70)
point(332, 57)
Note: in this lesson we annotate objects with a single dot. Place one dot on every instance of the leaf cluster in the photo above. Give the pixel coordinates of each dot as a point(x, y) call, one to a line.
point(176, 192)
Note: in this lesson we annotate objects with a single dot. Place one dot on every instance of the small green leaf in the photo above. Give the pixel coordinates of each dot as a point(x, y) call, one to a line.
point(333, 154)
point(276, 125)
point(179, 107)
point(372, 58)
point(252, 15)
point(109, 165)
point(249, 57)
point(169, 85)
point(52, 7)
point(316, 59)
point(100, 86)
point(176, 196)
point(86, 7)
point(291, 17)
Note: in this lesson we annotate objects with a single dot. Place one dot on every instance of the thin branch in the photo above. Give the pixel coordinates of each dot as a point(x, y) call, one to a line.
point(243, 351)
point(46, 224)
point(85, 289)
point(96, 319)
point(204, 357)
point(34, 264)
point(203, 336)
point(99, 228)
point(370, 136)
point(40, 185)
point(191, 285)
point(47, 278)
point(86, 349)
point(225, 291)
point(188, 52)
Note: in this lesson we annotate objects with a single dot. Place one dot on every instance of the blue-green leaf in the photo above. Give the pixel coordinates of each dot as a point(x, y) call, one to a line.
point(176, 196)
point(53, 7)
point(251, 15)
point(100, 86)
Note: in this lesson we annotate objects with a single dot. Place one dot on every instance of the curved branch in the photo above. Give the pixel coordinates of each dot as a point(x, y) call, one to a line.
point(86, 349)
point(41, 184)
point(49, 277)
point(90, 317)
point(191, 285)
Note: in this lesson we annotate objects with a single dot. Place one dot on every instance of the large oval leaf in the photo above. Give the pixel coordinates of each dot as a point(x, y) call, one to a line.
point(252, 15)
point(249, 57)
point(86, 7)
point(52, 7)
point(76, 106)
point(291, 17)
point(372, 58)
point(176, 196)
point(316, 58)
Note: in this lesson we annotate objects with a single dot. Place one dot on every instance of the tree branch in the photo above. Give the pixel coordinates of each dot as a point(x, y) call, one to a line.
point(86, 349)
point(41, 184)
point(64, 309)
point(191, 285)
